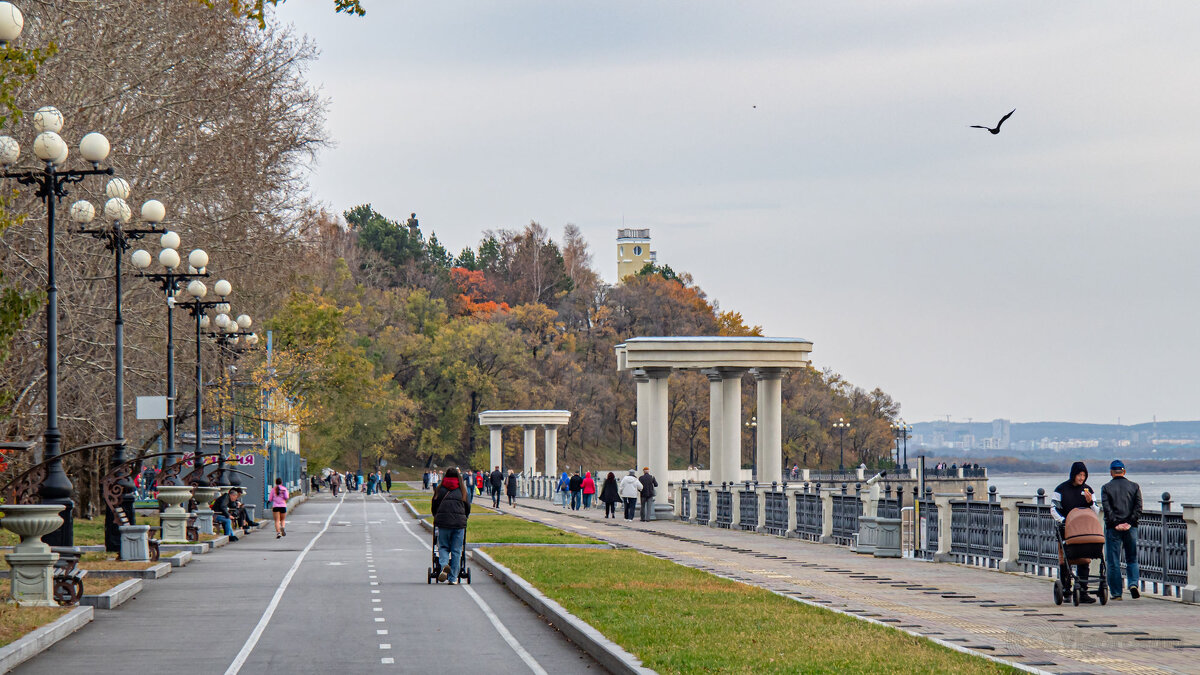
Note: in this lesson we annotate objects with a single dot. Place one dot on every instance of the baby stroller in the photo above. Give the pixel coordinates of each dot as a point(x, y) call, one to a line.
point(1080, 539)
point(435, 568)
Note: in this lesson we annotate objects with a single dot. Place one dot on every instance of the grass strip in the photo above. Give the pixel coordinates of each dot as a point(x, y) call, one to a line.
point(108, 561)
point(681, 620)
point(16, 621)
point(513, 530)
point(97, 585)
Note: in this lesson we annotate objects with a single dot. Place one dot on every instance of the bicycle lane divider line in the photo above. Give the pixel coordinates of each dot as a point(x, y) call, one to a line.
point(256, 634)
point(487, 610)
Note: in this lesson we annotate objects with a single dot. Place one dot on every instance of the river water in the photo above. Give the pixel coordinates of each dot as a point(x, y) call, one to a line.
point(1184, 487)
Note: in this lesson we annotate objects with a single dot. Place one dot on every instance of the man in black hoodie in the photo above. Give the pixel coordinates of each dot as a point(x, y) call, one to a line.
point(1073, 493)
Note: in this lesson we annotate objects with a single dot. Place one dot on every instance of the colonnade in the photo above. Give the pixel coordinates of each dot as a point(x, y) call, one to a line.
point(529, 421)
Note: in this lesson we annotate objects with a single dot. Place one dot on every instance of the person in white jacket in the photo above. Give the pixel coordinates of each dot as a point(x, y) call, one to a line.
point(629, 488)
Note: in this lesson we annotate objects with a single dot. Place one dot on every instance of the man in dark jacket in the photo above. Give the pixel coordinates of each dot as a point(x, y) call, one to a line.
point(450, 510)
point(1073, 493)
point(575, 486)
point(510, 487)
point(648, 484)
point(222, 514)
point(425, 480)
point(1121, 500)
point(496, 480)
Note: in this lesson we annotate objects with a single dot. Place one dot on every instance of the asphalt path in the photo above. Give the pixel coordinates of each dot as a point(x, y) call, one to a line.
point(345, 589)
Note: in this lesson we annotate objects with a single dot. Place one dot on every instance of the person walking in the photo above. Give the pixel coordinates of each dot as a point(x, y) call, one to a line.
point(1121, 501)
point(1073, 493)
point(451, 509)
point(510, 488)
point(279, 499)
point(335, 483)
point(387, 480)
point(433, 480)
point(628, 488)
point(563, 488)
point(576, 486)
point(468, 479)
point(496, 480)
point(589, 489)
point(608, 495)
point(648, 484)
point(425, 480)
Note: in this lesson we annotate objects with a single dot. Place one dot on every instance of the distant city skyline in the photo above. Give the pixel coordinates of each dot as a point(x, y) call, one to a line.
point(812, 166)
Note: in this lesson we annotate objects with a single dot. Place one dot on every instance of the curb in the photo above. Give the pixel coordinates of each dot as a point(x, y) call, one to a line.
point(180, 559)
point(610, 655)
point(156, 571)
point(31, 644)
point(218, 542)
point(472, 546)
point(199, 548)
point(113, 597)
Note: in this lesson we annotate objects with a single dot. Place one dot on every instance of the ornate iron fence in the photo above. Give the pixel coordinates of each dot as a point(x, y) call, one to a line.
point(724, 508)
point(685, 502)
point(1037, 542)
point(748, 508)
point(846, 509)
point(1162, 549)
point(776, 515)
point(810, 513)
point(977, 530)
point(926, 526)
point(703, 513)
point(890, 507)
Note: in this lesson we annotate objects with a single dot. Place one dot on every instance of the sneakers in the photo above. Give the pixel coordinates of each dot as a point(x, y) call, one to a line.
point(277, 535)
point(283, 532)
point(1115, 597)
point(233, 537)
point(1134, 592)
point(444, 573)
point(1086, 599)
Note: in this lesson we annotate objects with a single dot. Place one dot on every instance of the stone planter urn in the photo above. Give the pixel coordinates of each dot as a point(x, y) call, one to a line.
point(174, 518)
point(204, 516)
point(32, 562)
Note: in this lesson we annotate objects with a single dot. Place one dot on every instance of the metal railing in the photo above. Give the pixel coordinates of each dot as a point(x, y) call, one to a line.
point(703, 514)
point(1037, 543)
point(1162, 549)
point(846, 509)
point(775, 515)
point(748, 508)
point(977, 530)
point(724, 507)
point(889, 506)
point(810, 513)
point(685, 503)
point(927, 526)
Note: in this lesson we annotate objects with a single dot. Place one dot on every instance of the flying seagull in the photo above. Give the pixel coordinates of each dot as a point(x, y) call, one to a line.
point(997, 129)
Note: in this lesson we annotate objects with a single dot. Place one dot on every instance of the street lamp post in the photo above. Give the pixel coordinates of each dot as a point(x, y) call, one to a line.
point(51, 182)
point(227, 336)
point(901, 431)
point(169, 279)
point(841, 425)
point(197, 307)
point(752, 427)
point(116, 238)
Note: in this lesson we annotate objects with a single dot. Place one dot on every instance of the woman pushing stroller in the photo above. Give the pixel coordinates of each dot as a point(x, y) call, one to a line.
point(1074, 493)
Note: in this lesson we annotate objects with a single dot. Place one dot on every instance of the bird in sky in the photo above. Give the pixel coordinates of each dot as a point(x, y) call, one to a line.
point(997, 129)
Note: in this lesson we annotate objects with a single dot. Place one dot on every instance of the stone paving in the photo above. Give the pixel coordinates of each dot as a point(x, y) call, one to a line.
point(1010, 616)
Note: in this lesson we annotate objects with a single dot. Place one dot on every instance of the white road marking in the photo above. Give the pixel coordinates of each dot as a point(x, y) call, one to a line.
point(377, 609)
point(387, 660)
point(256, 634)
point(379, 619)
point(381, 631)
point(376, 600)
point(385, 646)
point(374, 590)
point(496, 623)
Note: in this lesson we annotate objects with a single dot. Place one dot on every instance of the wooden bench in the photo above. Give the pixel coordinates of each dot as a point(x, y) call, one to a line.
point(68, 577)
point(123, 520)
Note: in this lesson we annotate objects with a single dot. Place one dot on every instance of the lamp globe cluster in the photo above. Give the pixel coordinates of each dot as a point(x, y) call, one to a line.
point(48, 145)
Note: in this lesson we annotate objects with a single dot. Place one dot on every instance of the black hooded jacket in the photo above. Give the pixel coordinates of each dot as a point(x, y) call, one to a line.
point(1068, 496)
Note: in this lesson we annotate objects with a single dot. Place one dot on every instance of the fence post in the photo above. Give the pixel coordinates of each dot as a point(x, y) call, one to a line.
point(712, 504)
point(826, 515)
point(678, 494)
point(761, 495)
point(943, 504)
point(1012, 542)
point(789, 499)
point(1191, 516)
point(735, 505)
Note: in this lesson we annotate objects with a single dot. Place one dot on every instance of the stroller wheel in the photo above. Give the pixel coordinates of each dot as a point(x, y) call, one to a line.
point(1058, 592)
point(1103, 592)
point(1075, 595)
point(429, 576)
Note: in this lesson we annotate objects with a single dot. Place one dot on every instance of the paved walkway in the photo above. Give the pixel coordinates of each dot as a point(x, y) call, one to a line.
point(1006, 615)
point(345, 591)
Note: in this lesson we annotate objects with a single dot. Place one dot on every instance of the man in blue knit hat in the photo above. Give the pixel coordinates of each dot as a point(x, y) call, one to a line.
point(1121, 500)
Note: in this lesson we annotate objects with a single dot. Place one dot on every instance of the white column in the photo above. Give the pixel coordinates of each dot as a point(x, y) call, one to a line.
point(530, 450)
point(770, 424)
point(497, 446)
point(643, 419)
point(659, 436)
point(731, 422)
point(551, 450)
point(716, 453)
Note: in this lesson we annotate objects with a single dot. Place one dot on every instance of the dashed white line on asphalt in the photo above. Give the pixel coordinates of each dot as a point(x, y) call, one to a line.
point(496, 623)
point(387, 659)
point(379, 619)
point(377, 609)
point(381, 631)
point(376, 600)
point(374, 590)
point(385, 646)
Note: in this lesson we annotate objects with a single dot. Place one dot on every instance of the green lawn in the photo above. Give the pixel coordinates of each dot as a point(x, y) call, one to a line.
point(681, 620)
point(87, 533)
point(513, 530)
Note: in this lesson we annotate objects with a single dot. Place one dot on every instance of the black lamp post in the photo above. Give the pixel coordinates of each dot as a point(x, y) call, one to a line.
point(169, 279)
point(841, 425)
point(116, 238)
point(51, 182)
point(230, 332)
point(901, 432)
point(752, 427)
point(198, 307)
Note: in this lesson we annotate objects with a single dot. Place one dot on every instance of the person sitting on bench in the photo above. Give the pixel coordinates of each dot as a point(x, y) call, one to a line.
point(237, 511)
point(223, 511)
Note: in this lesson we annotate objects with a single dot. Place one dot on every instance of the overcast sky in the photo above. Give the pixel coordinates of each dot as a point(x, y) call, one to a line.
point(1045, 273)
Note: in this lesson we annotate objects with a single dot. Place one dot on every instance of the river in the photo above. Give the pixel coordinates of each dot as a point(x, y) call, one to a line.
point(1184, 487)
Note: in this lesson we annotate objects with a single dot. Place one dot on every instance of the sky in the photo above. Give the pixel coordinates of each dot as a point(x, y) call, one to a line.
point(812, 166)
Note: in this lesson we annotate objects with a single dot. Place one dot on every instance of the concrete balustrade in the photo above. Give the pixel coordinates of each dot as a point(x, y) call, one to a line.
point(530, 421)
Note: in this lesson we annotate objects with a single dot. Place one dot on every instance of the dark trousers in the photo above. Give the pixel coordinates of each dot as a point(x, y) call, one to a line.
point(495, 498)
point(648, 509)
point(511, 498)
point(630, 505)
point(610, 509)
point(575, 500)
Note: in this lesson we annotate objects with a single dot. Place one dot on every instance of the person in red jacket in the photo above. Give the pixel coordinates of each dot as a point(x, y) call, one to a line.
point(589, 489)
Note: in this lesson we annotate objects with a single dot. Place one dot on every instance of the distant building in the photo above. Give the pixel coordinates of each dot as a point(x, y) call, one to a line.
point(1001, 434)
point(633, 251)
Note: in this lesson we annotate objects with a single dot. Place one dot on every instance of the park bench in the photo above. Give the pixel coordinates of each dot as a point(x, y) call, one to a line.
point(123, 520)
point(68, 577)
